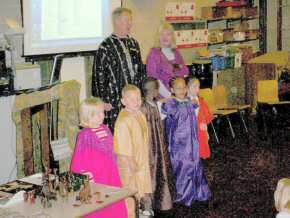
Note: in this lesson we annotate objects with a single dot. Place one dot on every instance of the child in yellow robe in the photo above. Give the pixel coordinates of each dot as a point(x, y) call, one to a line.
point(131, 137)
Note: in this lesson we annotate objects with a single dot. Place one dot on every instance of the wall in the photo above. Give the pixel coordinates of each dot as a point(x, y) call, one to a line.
point(286, 25)
point(271, 25)
point(147, 15)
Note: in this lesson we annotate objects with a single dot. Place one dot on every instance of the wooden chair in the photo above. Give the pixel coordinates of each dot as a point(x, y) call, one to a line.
point(221, 101)
point(207, 94)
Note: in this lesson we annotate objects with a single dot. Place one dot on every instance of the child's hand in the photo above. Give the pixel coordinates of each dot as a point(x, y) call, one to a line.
point(203, 127)
point(108, 106)
point(195, 101)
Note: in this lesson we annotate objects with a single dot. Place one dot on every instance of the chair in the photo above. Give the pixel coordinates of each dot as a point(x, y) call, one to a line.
point(207, 94)
point(221, 101)
point(268, 106)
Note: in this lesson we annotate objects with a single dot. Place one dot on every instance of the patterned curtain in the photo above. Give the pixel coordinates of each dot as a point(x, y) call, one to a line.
point(254, 73)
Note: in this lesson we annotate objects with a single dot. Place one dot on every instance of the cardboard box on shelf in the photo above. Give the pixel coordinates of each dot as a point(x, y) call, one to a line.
point(239, 36)
point(252, 34)
point(188, 10)
point(200, 38)
point(215, 36)
point(238, 60)
point(180, 11)
point(172, 10)
point(251, 12)
point(228, 35)
point(207, 13)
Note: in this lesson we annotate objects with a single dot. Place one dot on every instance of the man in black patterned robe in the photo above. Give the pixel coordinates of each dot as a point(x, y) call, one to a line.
point(117, 63)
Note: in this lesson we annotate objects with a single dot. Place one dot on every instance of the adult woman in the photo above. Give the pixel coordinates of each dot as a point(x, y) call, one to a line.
point(164, 60)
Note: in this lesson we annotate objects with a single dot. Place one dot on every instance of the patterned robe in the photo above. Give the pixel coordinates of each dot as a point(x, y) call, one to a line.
point(117, 63)
point(158, 158)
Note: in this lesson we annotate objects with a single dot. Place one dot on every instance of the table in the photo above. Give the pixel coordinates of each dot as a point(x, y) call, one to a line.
point(65, 209)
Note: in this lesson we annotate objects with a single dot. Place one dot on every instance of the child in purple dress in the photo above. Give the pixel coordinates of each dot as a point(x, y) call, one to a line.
point(182, 136)
point(94, 155)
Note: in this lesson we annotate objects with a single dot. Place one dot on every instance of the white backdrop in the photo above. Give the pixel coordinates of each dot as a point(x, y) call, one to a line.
point(8, 169)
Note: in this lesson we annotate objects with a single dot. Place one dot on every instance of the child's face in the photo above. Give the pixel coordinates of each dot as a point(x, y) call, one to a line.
point(98, 116)
point(152, 89)
point(179, 88)
point(193, 88)
point(132, 100)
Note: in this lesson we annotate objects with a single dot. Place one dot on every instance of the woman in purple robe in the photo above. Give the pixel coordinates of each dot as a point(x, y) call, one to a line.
point(182, 135)
point(165, 61)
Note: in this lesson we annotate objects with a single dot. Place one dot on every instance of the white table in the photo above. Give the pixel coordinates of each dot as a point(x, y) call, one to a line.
point(65, 209)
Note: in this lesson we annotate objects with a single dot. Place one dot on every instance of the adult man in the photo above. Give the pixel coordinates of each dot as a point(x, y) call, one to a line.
point(117, 63)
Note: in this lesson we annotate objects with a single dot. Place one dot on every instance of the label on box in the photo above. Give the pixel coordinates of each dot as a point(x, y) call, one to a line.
point(191, 38)
point(180, 11)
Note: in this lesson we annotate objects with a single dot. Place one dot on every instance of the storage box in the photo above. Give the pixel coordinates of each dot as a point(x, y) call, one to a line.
point(218, 63)
point(252, 34)
point(219, 12)
point(180, 11)
point(251, 12)
point(239, 36)
point(230, 62)
point(228, 36)
point(215, 36)
point(188, 10)
point(207, 13)
point(238, 60)
point(232, 12)
point(172, 11)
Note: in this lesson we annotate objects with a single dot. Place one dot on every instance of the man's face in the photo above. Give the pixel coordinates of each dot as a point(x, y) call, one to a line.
point(124, 23)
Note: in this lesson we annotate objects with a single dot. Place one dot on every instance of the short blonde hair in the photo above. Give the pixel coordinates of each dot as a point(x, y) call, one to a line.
point(282, 195)
point(191, 80)
point(119, 11)
point(128, 88)
point(87, 109)
point(164, 26)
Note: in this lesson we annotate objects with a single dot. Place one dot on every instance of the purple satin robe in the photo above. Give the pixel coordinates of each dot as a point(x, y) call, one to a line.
point(182, 135)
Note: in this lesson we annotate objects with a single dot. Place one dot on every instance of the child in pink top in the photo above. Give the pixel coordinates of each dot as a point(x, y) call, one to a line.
point(94, 155)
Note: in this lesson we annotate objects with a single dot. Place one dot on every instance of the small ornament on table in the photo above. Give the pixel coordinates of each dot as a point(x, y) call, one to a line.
point(63, 192)
point(56, 179)
point(85, 192)
point(25, 196)
point(31, 197)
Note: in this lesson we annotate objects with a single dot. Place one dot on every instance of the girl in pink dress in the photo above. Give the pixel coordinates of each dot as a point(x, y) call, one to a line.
point(94, 155)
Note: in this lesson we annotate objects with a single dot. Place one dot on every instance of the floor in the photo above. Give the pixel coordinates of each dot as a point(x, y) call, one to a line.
point(242, 174)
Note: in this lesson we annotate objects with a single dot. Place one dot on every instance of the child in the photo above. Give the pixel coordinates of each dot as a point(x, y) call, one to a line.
point(182, 134)
point(131, 145)
point(282, 198)
point(204, 116)
point(94, 155)
point(158, 155)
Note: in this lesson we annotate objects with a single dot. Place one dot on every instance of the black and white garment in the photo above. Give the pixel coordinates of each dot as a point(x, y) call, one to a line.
point(117, 63)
